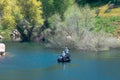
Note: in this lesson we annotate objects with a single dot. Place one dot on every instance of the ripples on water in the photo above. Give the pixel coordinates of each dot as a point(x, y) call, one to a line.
point(29, 61)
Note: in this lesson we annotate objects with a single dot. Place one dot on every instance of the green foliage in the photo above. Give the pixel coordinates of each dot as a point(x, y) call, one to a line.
point(50, 7)
point(18, 16)
point(74, 30)
point(10, 14)
point(32, 11)
point(5, 33)
point(53, 7)
point(13, 12)
point(62, 5)
point(108, 24)
point(0, 28)
point(61, 15)
point(7, 19)
point(32, 18)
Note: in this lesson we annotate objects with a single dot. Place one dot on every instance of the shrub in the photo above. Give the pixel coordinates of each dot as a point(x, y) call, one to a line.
point(75, 31)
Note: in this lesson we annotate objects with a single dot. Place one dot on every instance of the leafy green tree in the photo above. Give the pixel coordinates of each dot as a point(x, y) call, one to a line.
point(51, 7)
point(48, 8)
point(61, 6)
point(74, 30)
point(6, 17)
point(48, 11)
point(32, 20)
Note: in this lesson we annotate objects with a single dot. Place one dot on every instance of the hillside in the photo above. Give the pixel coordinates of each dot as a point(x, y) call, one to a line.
point(109, 20)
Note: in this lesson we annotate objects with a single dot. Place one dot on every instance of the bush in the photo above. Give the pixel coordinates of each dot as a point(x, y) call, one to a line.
point(107, 24)
point(75, 31)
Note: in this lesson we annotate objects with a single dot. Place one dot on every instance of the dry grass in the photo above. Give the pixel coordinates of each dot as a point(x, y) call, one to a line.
point(113, 12)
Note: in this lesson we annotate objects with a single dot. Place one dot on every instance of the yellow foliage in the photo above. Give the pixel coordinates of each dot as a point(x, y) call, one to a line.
point(13, 11)
point(8, 21)
point(113, 12)
point(34, 13)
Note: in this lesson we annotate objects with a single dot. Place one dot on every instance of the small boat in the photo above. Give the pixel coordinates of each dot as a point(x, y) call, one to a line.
point(64, 59)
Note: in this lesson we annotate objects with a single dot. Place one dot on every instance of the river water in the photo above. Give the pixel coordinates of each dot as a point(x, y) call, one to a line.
point(30, 61)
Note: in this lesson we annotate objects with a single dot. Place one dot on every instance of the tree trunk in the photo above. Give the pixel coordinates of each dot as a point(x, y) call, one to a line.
point(23, 36)
point(30, 32)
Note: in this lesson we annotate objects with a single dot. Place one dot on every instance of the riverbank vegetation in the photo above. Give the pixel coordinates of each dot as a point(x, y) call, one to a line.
point(78, 24)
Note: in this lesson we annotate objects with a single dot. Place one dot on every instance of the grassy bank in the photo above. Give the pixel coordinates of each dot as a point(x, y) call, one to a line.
point(108, 24)
point(108, 21)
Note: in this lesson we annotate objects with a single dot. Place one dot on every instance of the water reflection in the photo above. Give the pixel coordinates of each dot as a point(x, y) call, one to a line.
point(64, 66)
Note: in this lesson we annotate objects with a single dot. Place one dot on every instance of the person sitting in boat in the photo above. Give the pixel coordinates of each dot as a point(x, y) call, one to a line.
point(63, 54)
point(66, 50)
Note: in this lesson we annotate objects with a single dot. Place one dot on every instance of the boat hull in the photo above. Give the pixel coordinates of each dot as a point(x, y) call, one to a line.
point(64, 60)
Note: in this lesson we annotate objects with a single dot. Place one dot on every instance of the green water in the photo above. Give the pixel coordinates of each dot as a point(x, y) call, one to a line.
point(29, 61)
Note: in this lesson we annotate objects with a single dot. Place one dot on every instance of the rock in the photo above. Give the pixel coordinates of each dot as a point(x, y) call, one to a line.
point(2, 49)
point(15, 35)
point(69, 37)
point(111, 6)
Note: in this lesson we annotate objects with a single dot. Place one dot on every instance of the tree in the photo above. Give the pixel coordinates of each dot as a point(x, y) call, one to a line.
point(61, 6)
point(51, 7)
point(48, 8)
point(6, 17)
point(32, 12)
point(74, 31)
